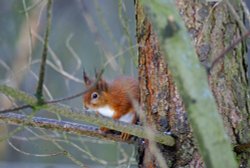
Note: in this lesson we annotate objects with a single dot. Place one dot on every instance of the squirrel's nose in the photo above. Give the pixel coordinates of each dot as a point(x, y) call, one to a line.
point(85, 107)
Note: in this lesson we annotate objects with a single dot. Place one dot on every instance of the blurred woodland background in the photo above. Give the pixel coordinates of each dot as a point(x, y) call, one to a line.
point(82, 34)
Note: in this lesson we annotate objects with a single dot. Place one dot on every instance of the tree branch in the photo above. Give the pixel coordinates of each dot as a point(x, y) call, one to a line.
point(191, 80)
point(85, 116)
point(56, 125)
point(15, 109)
point(39, 90)
point(229, 48)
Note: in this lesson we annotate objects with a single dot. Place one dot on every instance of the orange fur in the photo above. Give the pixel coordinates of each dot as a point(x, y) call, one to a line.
point(118, 95)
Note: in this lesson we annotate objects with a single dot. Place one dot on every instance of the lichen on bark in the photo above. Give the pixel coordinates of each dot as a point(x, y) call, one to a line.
point(213, 28)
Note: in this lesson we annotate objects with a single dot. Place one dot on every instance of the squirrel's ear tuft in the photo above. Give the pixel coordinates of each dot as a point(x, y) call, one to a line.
point(96, 74)
point(102, 85)
point(86, 79)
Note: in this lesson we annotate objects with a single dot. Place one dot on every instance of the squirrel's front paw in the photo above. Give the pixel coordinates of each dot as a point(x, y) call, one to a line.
point(125, 136)
point(104, 129)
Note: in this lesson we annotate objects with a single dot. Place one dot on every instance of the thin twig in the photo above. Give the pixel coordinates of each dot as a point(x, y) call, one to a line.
point(224, 52)
point(242, 147)
point(78, 94)
point(98, 38)
point(32, 154)
point(246, 10)
point(29, 29)
point(73, 53)
point(52, 53)
point(125, 26)
point(39, 90)
point(80, 148)
point(237, 17)
point(66, 98)
point(15, 108)
point(32, 6)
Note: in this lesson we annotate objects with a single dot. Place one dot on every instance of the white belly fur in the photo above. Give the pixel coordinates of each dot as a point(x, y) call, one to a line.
point(128, 118)
point(106, 111)
point(109, 112)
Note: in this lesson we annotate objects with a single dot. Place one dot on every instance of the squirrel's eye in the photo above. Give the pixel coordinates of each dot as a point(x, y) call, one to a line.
point(94, 95)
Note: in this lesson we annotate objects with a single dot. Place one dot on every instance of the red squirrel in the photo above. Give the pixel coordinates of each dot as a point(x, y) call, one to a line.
point(114, 99)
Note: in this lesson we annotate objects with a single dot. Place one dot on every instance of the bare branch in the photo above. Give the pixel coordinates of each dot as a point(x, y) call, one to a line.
point(242, 147)
point(229, 48)
point(39, 89)
point(237, 17)
point(15, 109)
point(37, 155)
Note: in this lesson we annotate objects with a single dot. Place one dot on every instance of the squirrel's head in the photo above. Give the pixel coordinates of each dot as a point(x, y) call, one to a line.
point(95, 97)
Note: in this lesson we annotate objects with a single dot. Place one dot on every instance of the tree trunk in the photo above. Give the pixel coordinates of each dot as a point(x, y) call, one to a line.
point(213, 28)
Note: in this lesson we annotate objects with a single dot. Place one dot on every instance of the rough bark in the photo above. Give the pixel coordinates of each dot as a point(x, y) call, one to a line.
point(213, 28)
point(228, 79)
point(159, 98)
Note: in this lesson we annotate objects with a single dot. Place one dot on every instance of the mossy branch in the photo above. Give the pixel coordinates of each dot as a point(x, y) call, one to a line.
point(39, 90)
point(56, 125)
point(81, 115)
point(191, 80)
